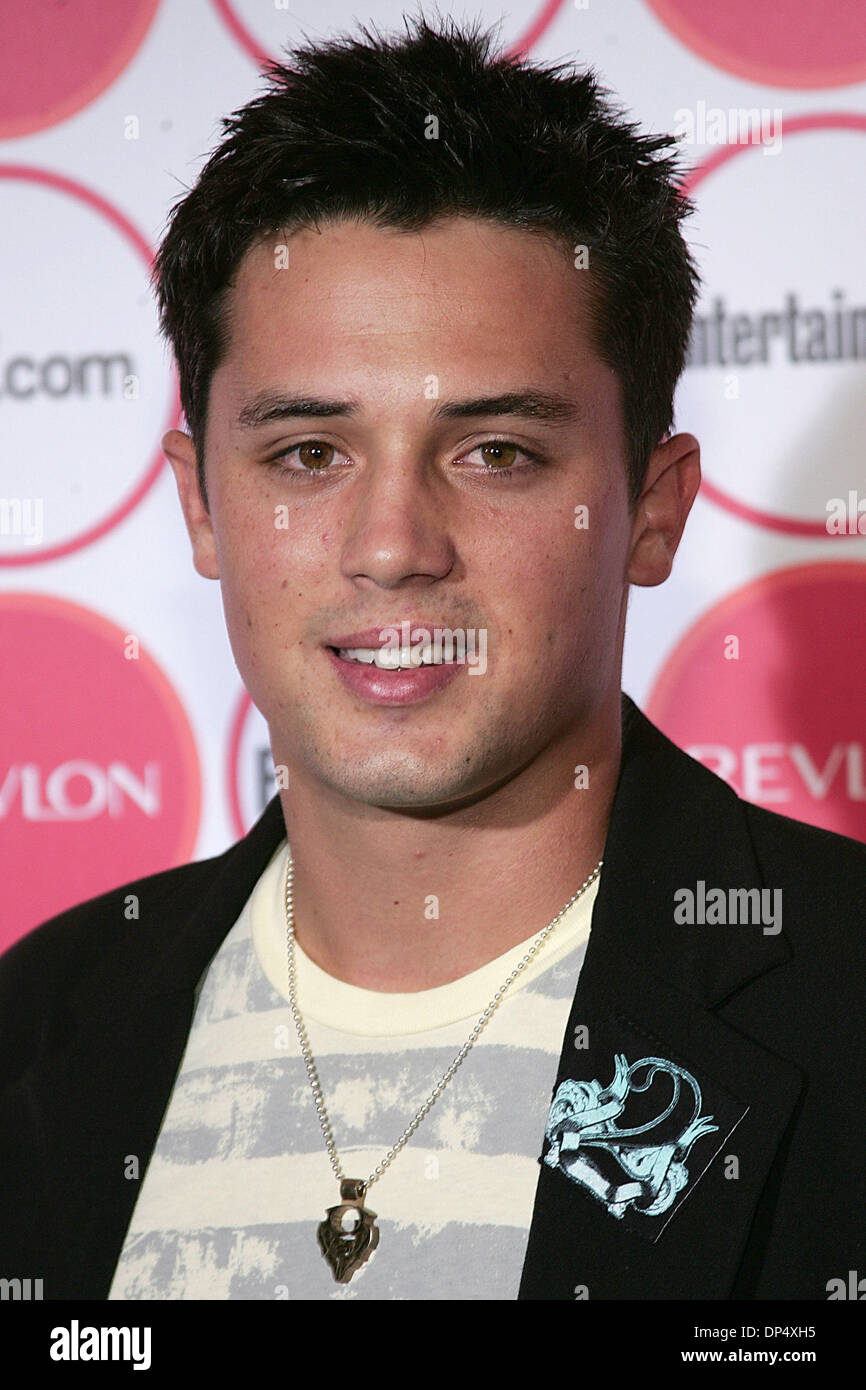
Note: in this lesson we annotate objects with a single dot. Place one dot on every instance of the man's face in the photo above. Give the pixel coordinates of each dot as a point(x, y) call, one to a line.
point(397, 512)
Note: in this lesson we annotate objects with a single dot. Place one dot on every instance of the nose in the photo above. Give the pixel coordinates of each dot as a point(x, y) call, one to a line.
point(398, 529)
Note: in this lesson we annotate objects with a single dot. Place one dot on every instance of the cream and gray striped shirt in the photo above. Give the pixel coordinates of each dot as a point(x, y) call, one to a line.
point(239, 1179)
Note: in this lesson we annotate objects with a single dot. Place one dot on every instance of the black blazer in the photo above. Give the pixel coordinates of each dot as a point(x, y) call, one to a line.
point(95, 1010)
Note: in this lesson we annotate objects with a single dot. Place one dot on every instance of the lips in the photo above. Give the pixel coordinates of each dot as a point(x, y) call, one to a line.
point(375, 686)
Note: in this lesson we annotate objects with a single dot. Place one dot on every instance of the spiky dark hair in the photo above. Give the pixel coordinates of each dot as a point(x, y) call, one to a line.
point(342, 132)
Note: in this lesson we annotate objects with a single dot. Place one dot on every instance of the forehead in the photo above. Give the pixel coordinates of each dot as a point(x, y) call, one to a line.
point(464, 296)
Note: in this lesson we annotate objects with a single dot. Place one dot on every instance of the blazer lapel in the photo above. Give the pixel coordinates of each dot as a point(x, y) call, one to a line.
point(666, 1213)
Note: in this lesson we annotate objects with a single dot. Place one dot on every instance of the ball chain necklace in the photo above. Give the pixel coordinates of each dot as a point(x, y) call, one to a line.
point(349, 1234)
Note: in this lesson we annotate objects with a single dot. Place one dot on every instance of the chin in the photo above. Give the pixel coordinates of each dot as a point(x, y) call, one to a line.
point(395, 779)
point(398, 788)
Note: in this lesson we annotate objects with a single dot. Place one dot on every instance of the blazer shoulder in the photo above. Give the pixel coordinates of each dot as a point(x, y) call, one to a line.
point(75, 932)
point(821, 876)
point(41, 971)
point(799, 847)
point(51, 977)
point(808, 850)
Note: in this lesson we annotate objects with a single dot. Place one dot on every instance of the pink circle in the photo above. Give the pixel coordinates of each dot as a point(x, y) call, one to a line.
point(116, 219)
point(770, 521)
point(798, 44)
point(58, 58)
point(784, 719)
point(99, 775)
point(540, 21)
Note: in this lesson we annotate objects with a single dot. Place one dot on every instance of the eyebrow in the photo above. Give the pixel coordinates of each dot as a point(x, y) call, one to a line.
point(546, 406)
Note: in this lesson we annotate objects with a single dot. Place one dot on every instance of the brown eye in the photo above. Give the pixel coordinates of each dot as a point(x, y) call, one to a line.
point(315, 456)
point(501, 455)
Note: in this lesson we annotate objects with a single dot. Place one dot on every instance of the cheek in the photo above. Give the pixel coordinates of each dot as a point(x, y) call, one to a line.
point(252, 555)
point(567, 581)
point(253, 539)
point(555, 567)
point(275, 564)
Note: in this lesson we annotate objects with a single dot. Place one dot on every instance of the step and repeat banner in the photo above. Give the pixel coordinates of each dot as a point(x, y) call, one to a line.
point(128, 744)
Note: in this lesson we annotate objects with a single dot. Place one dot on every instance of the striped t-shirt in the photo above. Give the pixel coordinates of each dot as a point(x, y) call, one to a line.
point(240, 1180)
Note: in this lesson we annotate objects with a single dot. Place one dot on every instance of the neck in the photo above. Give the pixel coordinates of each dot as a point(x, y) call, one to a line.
point(407, 903)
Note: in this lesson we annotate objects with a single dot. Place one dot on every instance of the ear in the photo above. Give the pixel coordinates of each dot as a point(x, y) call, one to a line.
point(180, 452)
point(671, 484)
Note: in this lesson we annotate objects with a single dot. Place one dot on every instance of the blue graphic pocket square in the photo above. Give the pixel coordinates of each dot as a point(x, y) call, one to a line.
point(640, 1144)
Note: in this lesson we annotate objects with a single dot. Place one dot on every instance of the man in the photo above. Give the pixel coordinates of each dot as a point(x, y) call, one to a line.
point(429, 309)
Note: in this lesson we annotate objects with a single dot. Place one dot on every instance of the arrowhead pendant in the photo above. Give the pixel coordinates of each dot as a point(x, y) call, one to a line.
point(349, 1234)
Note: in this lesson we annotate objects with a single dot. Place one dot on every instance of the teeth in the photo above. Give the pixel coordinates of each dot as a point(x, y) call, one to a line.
point(389, 659)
